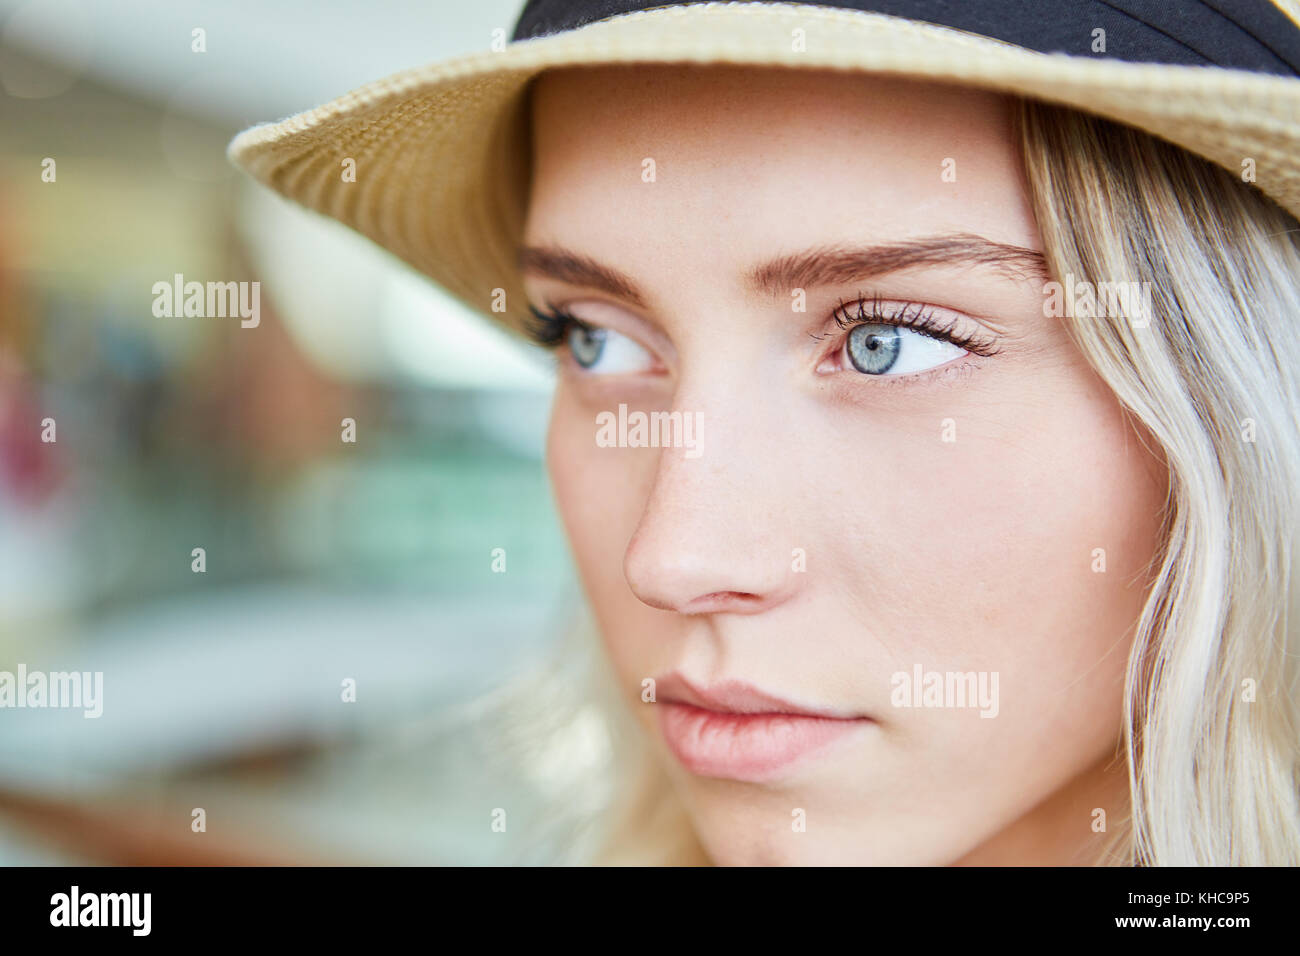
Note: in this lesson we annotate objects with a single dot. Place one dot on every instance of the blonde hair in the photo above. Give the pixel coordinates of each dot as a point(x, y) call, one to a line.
point(1210, 722)
point(1212, 378)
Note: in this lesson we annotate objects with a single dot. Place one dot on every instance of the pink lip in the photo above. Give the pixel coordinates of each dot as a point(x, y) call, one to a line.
point(735, 731)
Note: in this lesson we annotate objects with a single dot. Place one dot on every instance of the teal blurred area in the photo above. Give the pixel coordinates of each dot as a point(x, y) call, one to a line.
point(422, 562)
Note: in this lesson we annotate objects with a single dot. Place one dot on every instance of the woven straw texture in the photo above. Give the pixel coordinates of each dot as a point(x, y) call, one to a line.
point(442, 158)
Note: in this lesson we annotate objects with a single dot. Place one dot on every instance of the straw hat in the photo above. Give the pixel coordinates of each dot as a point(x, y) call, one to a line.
point(440, 154)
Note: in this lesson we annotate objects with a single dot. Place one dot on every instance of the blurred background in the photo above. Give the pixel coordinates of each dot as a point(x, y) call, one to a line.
point(325, 561)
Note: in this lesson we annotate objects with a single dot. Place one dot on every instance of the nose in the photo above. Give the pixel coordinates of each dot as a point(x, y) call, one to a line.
point(712, 535)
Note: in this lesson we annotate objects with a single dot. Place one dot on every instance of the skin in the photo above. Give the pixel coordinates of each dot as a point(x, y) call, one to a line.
point(973, 554)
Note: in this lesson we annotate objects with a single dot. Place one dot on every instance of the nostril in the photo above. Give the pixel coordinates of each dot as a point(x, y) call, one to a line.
point(721, 601)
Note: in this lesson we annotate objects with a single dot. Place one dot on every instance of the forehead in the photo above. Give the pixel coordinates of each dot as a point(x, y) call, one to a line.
point(748, 159)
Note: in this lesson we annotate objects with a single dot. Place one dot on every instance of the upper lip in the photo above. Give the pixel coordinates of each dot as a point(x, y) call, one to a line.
point(737, 697)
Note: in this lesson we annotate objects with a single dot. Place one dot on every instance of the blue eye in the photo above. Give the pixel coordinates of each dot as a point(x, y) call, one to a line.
point(876, 348)
point(903, 338)
point(606, 352)
point(594, 348)
point(586, 343)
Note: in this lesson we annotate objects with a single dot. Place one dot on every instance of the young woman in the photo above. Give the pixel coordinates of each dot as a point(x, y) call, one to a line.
point(927, 442)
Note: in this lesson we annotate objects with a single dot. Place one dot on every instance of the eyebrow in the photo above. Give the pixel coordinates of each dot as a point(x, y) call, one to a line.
point(819, 266)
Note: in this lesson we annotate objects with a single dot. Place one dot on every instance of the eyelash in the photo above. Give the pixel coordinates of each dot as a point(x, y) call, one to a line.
point(914, 316)
point(549, 330)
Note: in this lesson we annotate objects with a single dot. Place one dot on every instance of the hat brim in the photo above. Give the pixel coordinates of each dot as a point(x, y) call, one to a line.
point(441, 152)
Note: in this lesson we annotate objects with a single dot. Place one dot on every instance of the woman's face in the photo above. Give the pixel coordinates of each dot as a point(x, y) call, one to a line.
point(841, 511)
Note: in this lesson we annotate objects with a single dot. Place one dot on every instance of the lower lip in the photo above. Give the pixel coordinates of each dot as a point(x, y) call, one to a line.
point(749, 747)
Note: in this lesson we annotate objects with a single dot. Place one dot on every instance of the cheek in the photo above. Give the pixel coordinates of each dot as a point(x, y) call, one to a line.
point(599, 493)
point(1017, 549)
